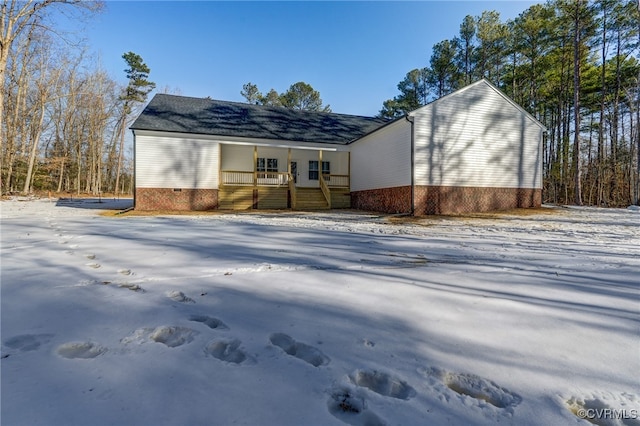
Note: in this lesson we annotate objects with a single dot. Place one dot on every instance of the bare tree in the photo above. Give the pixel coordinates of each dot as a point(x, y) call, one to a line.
point(45, 87)
point(18, 17)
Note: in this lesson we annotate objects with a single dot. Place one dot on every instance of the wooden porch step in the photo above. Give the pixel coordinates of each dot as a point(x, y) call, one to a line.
point(244, 198)
point(310, 199)
point(235, 198)
point(273, 198)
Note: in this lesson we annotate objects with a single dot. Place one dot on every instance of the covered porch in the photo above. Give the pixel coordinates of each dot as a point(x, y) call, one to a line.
point(267, 177)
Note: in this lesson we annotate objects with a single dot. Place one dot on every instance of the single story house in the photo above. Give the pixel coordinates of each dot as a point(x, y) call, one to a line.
point(472, 150)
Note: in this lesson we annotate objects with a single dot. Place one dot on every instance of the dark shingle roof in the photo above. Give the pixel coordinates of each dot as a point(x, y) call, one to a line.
point(170, 113)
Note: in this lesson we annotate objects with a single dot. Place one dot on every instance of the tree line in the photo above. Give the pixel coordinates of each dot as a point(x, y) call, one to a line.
point(573, 65)
point(63, 119)
point(299, 96)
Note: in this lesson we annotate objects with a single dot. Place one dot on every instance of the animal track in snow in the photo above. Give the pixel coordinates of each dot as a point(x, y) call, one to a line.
point(27, 342)
point(170, 336)
point(82, 350)
point(313, 356)
point(179, 296)
point(213, 323)
point(227, 351)
point(124, 271)
point(94, 265)
point(351, 409)
point(383, 384)
point(473, 386)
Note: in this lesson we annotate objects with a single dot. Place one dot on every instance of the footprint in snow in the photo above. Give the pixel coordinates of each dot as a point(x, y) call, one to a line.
point(27, 342)
point(227, 351)
point(80, 350)
point(213, 323)
point(170, 336)
point(383, 384)
point(368, 343)
point(179, 296)
point(351, 409)
point(313, 356)
point(481, 389)
point(132, 287)
point(94, 265)
point(600, 410)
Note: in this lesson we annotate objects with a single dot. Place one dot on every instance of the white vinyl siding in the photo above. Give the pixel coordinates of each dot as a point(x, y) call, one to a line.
point(383, 158)
point(176, 162)
point(476, 137)
point(236, 158)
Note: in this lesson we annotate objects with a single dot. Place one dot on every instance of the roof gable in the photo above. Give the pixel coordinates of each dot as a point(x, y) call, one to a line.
point(170, 113)
point(483, 82)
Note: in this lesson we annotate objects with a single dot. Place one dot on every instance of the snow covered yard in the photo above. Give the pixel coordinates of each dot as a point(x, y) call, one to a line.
point(318, 319)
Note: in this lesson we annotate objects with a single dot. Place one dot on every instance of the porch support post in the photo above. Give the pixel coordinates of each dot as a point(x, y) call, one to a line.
point(289, 161)
point(349, 169)
point(255, 165)
point(319, 165)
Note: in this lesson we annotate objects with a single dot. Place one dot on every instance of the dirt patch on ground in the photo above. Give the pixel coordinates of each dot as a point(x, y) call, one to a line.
point(132, 213)
point(395, 219)
point(505, 214)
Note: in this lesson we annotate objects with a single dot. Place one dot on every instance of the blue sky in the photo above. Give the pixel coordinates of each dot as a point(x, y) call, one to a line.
point(353, 53)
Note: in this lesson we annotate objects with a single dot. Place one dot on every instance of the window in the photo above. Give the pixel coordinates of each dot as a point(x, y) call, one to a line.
point(313, 169)
point(326, 168)
point(267, 165)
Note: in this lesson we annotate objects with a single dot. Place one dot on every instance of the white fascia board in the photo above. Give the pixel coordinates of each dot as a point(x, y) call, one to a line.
point(246, 141)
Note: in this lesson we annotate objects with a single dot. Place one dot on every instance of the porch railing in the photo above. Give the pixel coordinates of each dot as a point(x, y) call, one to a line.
point(325, 190)
point(336, 181)
point(279, 179)
point(243, 178)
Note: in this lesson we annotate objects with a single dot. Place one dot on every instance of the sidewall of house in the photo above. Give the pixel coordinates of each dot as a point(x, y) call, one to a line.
point(175, 172)
point(382, 159)
point(477, 138)
point(381, 170)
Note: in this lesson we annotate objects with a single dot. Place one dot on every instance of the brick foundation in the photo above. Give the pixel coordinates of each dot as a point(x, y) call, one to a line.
point(170, 199)
point(384, 200)
point(431, 200)
point(454, 200)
